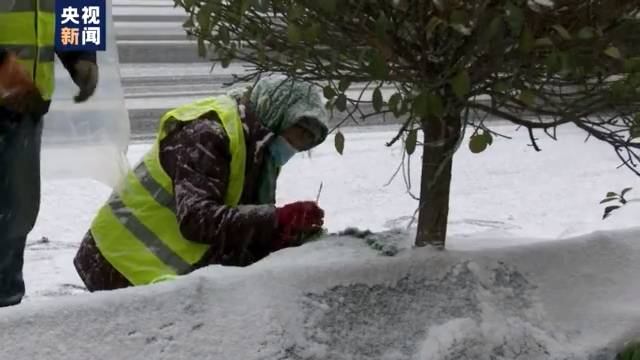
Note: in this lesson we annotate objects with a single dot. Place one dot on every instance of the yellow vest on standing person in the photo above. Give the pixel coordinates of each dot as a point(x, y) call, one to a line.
point(137, 230)
point(27, 29)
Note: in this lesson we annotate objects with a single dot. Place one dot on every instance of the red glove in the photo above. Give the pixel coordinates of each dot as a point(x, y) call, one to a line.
point(295, 219)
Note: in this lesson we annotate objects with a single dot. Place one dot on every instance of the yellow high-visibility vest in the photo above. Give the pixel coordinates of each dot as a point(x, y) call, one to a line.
point(137, 230)
point(27, 29)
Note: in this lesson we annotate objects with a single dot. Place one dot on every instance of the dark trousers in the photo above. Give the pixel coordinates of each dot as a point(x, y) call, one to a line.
point(20, 137)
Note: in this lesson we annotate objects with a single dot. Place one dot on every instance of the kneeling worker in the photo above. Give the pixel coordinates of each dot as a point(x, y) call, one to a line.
point(205, 193)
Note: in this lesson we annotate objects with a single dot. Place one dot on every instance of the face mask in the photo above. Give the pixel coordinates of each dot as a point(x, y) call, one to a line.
point(281, 151)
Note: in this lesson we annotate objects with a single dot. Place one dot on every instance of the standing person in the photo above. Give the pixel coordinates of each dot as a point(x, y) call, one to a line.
point(205, 192)
point(26, 86)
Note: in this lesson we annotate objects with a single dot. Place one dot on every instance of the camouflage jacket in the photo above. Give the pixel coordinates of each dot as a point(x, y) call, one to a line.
point(197, 159)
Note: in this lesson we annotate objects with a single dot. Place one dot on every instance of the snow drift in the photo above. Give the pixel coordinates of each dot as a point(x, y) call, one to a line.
point(337, 298)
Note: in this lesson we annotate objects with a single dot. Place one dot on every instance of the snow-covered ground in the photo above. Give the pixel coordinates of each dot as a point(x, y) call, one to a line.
point(510, 192)
point(503, 289)
point(339, 299)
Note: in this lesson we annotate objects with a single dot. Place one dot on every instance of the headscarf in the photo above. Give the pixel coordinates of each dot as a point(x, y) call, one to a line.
point(279, 104)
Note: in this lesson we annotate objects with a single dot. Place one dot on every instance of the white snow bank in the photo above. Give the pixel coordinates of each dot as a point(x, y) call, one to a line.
point(338, 299)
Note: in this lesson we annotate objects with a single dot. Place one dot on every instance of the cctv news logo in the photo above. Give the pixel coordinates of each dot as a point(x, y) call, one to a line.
point(80, 25)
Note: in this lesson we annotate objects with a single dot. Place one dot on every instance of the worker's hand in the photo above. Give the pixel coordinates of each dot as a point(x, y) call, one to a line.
point(85, 75)
point(295, 220)
point(17, 90)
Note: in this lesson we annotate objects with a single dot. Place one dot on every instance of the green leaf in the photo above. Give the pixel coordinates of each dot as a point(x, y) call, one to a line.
point(341, 102)
point(344, 85)
point(378, 66)
point(586, 33)
point(478, 144)
point(461, 84)
point(608, 200)
point(328, 92)
point(420, 106)
point(404, 107)
point(613, 52)
point(515, 17)
point(262, 55)
point(527, 96)
point(382, 25)
point(411, 141)
point(202, 49)
point(329, 106)
point(377, 100)
point(610, 194)
point(562, 32)
point(394, 102)
point(293, 33)
point(225, 62)
point(488, 137)
point(493, 29)
point(527, 41)
point(338, 141)
point(608, 210)
point(204, 20)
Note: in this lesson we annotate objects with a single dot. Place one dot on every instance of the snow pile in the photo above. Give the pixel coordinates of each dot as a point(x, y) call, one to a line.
point(337, 298)
point(470, 310)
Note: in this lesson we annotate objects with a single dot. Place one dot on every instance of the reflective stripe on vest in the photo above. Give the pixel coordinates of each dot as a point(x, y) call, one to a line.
point(137, 231)
point(28, 29)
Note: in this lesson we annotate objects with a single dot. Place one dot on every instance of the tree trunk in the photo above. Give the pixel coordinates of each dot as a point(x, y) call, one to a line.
point(441, 136)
